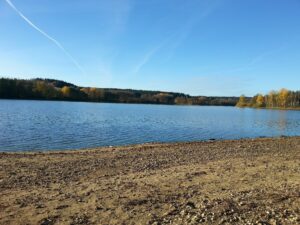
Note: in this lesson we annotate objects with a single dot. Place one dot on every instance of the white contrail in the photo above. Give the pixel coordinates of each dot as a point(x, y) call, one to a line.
point(46, 35)
point(149, 55)
point(145, 59)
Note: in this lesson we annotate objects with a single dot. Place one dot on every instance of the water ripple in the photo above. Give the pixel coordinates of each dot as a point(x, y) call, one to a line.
point(42, 125)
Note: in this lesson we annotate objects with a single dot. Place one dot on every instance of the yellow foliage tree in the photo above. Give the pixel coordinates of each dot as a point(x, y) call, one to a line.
point(283, 97)
point(260, 101)
point(66, 91)
point(242, 102)
point(272, 99)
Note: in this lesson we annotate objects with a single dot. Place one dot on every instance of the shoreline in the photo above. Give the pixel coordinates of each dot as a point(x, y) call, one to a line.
point(245, 181)
point(116, 102)
point(151, 103)
point(268, 108)
point(153, 144)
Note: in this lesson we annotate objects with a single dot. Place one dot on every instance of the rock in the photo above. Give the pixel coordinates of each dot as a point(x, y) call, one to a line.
point(48, 221)
point(190, 205)
point(273, 222)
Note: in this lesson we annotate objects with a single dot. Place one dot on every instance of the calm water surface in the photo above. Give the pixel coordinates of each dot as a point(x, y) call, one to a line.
point(44, 125)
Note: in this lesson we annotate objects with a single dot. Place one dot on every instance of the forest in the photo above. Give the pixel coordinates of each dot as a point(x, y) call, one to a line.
point(50, 89)
point(282, 99)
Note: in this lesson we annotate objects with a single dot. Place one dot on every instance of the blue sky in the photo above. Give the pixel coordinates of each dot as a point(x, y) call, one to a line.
point(199, 47)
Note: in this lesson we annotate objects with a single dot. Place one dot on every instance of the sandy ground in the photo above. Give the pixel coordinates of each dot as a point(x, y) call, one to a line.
point(217, 182)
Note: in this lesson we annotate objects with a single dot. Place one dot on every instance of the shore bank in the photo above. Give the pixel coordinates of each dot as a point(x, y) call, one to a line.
point(270, 108)
point(255, 181)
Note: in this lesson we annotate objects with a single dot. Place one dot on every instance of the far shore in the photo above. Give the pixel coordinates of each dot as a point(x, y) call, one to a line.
point(112, 102)
point(269, 108)
point(248, 181)
point(161, 104)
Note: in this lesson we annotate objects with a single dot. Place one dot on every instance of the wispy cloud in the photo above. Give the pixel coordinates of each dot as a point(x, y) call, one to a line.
point(176, 39)
point(229, 81)
point(145, 59)
point(121, 10)
point(254, 61)
point(183, 32)
point(57, 43)
point(213, 85)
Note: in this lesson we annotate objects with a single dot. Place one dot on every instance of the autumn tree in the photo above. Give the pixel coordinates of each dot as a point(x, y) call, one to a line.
point(242, 101)
point(66, 91)
point(272, 99)
point(45, 90)
point(260, 101)
point(253, 101)
point(60, 90)
point(283, 97)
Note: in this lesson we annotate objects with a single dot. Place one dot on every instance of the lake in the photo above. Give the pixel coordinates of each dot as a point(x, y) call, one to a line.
point(50, 125)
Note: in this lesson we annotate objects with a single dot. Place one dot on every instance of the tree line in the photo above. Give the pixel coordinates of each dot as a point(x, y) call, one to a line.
point(274, 99)
point(50, 89)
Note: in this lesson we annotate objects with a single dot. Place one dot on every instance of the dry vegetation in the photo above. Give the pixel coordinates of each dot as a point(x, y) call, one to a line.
point(218, 182)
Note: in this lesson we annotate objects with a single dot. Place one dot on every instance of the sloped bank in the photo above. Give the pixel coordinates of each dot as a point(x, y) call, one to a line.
point(253, 181)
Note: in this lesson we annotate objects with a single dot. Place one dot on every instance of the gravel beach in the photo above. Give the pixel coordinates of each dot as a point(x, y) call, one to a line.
point(251, 181)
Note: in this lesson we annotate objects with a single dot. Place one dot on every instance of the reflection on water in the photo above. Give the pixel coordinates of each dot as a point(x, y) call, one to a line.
point(42, 125)
point(282, 120)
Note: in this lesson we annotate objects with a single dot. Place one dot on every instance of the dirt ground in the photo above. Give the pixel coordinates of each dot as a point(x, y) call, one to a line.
point(255, 181)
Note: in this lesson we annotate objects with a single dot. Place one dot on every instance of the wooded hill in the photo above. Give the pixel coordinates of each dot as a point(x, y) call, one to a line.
point(50, 89)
